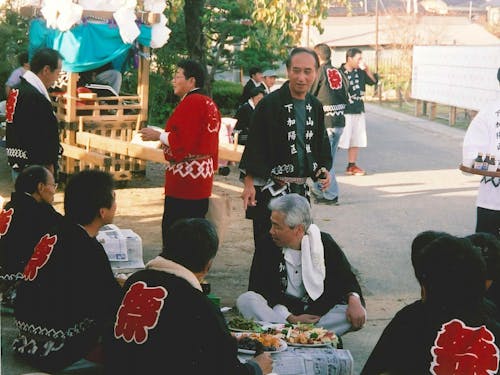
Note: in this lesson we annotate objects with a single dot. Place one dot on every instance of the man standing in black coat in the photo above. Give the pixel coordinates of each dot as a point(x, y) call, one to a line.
point(254, 81)
point(354, 134)
point(287, 143)
point(244, 115)
point(32, 127)
point(332, 90)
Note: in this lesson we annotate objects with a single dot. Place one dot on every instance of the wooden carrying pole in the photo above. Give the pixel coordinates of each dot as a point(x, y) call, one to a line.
point(143, 86)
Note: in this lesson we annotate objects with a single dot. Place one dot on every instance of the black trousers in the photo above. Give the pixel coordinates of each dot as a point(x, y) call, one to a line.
point(488, 221)
point(176, 209)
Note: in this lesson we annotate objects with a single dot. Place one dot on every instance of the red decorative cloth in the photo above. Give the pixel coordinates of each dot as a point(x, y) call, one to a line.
point(193, 148)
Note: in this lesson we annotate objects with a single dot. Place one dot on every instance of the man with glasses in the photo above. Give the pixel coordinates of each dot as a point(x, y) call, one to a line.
point(191, 145)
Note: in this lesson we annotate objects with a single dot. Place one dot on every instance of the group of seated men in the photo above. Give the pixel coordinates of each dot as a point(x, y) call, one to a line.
point(71, 311)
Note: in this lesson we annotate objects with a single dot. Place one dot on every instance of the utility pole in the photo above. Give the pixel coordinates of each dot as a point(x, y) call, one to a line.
point(376, 48)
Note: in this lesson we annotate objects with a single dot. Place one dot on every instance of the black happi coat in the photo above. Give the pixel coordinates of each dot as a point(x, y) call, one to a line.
point(243, 115)
point(405, 345)
point(186, 332)
point(68, 296)
point(247, 89)
point(25, 221)
point(332, 90)
point(32, 128)
point(271, 145)
point(358, 79)
point(269, 278)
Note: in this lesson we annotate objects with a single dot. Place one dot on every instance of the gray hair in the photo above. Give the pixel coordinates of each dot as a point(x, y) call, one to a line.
point(296, 209)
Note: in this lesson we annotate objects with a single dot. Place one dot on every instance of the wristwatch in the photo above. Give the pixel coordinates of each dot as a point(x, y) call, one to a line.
point(353, 294)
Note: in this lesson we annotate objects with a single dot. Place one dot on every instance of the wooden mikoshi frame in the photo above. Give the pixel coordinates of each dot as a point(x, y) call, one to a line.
point(96, 131)
point(115, 117)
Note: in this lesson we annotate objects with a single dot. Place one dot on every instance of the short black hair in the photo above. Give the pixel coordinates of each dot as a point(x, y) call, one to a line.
point(30, 177)
point(193, 69)
point(86, 193)
point(192, 243)
point(43, 57)
point(489, 247)
point(419, 242)
point(23, 58)
point(298, 50)
point(254, 70)
point(351, 52)
point(453, 274)
point(498, 74)
point(256, 91)
point(324, 52)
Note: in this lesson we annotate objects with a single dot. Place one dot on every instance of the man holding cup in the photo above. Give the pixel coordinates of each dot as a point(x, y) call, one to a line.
point(354, 134)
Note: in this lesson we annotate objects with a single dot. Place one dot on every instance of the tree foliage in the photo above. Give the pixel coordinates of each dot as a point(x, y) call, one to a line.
point(277, 26)
point(226, 26)
point(13, 40)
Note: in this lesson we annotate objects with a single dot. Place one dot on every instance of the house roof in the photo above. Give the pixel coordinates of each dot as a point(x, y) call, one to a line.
point(424, 30)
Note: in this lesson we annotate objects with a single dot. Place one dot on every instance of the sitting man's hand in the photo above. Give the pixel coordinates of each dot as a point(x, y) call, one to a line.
point(303, 318)
point(355, 312)
point(265, 362)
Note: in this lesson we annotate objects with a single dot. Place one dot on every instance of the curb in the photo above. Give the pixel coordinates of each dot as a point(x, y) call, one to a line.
point(419, 123)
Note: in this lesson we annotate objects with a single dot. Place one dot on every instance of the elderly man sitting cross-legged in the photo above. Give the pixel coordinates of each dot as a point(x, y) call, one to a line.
point(301, 275)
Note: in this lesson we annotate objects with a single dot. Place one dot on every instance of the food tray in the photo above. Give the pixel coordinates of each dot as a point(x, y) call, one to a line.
point(463, 168)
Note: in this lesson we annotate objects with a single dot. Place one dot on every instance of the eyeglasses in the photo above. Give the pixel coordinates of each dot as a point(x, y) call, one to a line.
point(55, 185)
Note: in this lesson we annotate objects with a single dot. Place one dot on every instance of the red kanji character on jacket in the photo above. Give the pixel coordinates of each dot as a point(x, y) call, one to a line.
point(462, 350)
point(5, 219)
point(334, 78)
point(10, 106)
point(193, 148)
point(40, 256)
point(139, 312)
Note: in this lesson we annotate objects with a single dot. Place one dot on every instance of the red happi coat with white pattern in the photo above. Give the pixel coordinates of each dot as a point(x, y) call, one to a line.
point(193, 147)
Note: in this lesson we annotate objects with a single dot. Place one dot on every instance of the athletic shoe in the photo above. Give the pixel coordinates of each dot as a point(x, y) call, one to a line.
point(329, 202)
point(355, 171)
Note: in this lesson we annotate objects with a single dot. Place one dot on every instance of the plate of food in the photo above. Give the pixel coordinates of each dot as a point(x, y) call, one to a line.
point(305, 335)
point(248, 343)
point(240, 324)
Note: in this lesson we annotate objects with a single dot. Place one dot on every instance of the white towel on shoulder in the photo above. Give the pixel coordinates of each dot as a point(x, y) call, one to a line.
point(313, 262)
point(36, 82)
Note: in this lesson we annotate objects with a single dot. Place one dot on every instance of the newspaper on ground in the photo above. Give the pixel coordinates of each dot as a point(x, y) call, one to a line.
point(123, 247)
point(311, 361)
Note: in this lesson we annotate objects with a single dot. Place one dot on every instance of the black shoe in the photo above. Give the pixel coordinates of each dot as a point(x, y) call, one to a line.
point(329, 202)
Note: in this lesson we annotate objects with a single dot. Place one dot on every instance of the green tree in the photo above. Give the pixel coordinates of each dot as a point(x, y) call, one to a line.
point(226, 23)
point(13, 40)
point(277, 26)
point(285, 19)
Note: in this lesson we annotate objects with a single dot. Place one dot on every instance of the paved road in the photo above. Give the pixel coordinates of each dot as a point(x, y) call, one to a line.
point(412, 185)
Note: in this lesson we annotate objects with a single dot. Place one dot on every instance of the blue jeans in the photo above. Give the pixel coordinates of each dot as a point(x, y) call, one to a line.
point(333, 191)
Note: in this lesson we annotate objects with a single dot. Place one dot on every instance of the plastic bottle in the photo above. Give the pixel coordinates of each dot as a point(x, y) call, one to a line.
point(486, 162)
point(478, 162)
